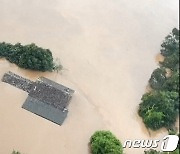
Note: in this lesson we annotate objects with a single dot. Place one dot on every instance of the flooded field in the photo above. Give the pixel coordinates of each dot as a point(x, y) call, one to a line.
point(108, 50)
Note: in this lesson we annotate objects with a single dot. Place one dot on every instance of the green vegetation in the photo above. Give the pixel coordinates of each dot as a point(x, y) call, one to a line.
point(171, 62)
point(151, 151)
point(160, 107)
point(28, 56)
point(158, 78)
point(171, 43)
point(16, 152)
point(172, 83)
point(104, 142)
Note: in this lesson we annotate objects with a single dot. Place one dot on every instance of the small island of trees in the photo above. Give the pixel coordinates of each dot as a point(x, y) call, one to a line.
point(28, 56)
point(104, 142)
point(160, 107)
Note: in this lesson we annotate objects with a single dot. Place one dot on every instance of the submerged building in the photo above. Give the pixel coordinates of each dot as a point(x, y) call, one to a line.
point(46, 98)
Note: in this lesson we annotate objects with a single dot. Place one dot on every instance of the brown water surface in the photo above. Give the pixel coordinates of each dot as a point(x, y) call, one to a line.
point(108, 50)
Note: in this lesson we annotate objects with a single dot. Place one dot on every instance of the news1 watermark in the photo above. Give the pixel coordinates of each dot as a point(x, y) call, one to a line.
point(168, 144)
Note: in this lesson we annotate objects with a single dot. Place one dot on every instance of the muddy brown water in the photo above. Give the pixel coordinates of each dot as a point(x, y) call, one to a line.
point(108, 50)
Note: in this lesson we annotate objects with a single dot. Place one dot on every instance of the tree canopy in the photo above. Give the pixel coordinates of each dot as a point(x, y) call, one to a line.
point(160, 107)
point(28, 56)
point(104, 142)
point(171, 43)
point(158, 77)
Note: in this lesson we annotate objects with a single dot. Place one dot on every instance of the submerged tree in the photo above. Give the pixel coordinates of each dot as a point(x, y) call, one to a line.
point(171, 62)
point(158, 78)
point(172, 83)
point(171, 43)
point(159, 109)
point(104, 142)
point(28, 56)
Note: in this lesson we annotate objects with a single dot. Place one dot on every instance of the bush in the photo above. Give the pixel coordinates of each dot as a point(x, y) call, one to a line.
point(28, 56)
point(104, 142)
point(159, 109)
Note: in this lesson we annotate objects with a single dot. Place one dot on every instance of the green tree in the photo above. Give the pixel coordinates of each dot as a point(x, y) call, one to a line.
point(159, 109)
point(171, 43)
point(104, 142)
point(158, 78)
point(171, 62)
point(172, 83)
point(28, 56)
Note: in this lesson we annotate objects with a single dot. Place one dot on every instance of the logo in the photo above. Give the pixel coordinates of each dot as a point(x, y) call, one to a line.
point(169, 143)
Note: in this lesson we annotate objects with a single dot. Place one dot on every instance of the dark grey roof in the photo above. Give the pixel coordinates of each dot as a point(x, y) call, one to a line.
point(46, 98)
point(44, 110)
point(17, 81)
point(56, 85)
point(50, 95)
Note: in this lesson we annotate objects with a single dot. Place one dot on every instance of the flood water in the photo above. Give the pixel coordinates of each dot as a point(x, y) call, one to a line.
point(108, 49)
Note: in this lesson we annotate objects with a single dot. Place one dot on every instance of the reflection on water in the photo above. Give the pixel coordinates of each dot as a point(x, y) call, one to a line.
point(108, 49)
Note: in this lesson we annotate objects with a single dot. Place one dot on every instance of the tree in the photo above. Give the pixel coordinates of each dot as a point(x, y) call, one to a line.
point(172, 83)
point(158, 78)
point(171, 43)
point(171, 62)
point(159, 109)
point(36, 58)
point(104, 142)
point(28, 56)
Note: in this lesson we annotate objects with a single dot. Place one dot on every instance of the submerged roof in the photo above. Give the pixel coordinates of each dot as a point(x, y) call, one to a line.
point(49, 94)
point(18, 81)
point(45, 110)
point(46, 98)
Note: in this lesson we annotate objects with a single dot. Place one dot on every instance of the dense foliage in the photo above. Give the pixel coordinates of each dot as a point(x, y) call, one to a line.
point(172, 83)
point(158, 78)
point(160, 107)
point(104, 142)
point(28, 56)
point(171, 43)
